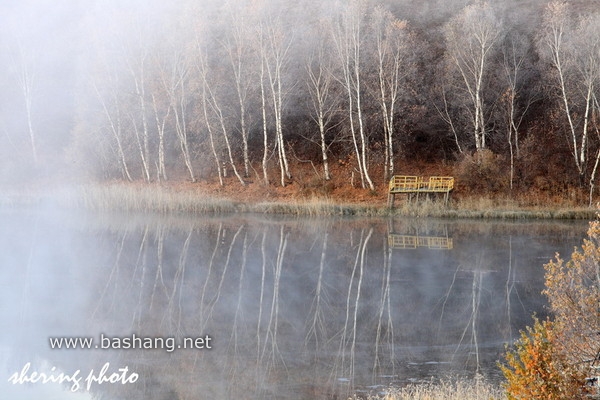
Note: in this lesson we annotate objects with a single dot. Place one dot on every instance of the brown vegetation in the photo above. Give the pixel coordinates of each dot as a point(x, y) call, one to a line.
point(253, 101)
point(462, 389)
point(553, 358)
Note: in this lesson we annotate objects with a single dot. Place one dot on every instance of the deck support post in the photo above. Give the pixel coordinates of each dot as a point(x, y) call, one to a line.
point(413, 186)
point(391, 199)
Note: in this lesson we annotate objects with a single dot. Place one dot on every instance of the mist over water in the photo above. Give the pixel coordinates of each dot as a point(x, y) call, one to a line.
point(293, 307)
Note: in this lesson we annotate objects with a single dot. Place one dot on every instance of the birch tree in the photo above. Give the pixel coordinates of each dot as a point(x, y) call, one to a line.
point(320, 83)
point(274, 50)
point(161, 116)
point(210, 97)
point(393, 65)
point(574, 57)
point(347, 36)
point(514, 101)
point(263, 108)
point(471, 36)
point(209, 128)
point(24, 64)
point(237, 46)
point(175, 81)
point(111, 108)
point(136, 64)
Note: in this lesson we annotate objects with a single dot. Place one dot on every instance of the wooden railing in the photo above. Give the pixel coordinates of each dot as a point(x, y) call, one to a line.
point(415, 184)
point(410, 185)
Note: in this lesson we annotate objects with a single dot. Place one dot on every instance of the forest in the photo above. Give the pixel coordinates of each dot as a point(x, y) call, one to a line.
point(503, 95)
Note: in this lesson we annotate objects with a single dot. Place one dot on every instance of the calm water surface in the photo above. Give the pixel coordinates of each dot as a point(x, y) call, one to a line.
point(273, 307)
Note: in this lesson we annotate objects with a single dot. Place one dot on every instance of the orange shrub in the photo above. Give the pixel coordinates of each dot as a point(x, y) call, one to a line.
point(535, 370)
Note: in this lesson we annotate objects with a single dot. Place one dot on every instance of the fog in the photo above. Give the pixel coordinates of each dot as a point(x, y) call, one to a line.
point(292, 307)
point(227, 93)
point(153, 91)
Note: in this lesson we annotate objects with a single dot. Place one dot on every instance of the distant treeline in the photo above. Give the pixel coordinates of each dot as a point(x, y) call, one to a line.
point(249, 88)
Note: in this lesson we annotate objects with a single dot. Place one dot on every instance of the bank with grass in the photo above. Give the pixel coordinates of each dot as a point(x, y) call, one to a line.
point(198, 199)
point(460, 389)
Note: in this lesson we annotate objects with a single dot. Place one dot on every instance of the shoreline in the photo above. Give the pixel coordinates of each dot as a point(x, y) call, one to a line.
point(196, 200)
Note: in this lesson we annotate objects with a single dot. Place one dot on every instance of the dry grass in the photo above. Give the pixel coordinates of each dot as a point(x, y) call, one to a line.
point(476, 389)
point(148, 198)
point(165, 199)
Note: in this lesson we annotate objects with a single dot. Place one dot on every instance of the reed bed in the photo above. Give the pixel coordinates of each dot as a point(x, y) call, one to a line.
point(476, 389)
point(488, 208)
point(146, 198)
point(163, 200)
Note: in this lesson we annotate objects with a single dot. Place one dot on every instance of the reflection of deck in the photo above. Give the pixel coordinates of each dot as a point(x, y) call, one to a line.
point(396, 241)
point(400, 184)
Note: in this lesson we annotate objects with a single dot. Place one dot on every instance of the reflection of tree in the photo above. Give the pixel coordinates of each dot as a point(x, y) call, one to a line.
point(316, 327)
point(510, 289)
point(233, 340)
point(385, 303)
point(208, 274)
point(212, 302)
point(271, 334)
point(345, 364)
point(475, 303)
point(298, 306)
point(178, 282)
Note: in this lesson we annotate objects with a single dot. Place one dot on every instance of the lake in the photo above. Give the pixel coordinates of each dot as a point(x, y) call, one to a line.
point(247, 306)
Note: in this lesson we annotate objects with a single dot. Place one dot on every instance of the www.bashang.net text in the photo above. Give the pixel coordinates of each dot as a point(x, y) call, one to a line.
point(131, 342)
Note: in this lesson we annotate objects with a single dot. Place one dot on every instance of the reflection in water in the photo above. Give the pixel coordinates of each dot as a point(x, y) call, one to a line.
point(419, 235)
point(293, 307)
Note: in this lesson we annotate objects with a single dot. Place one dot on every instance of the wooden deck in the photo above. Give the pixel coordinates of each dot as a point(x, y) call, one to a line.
point(415, 185)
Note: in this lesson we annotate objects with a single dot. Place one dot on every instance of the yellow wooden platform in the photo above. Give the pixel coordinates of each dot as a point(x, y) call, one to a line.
point(404, 184)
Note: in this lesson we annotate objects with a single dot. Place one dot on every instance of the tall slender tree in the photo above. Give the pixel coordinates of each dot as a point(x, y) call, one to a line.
point(347, 34)
point(324, 102)
point(394, 63)
point(471, 36)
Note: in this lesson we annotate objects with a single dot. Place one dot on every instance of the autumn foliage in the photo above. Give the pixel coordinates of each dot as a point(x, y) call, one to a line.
point(535, 370)
point(573, 289)
point(553, 359)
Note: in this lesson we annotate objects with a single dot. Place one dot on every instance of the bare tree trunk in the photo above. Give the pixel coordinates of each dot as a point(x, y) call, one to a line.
point(160, 128)
point(593, 179)
point(361, 129)
point(26, 78)
point(392, 62)
point(470, 38)
point(595, 113)
point(145, 169)
point(140, 91)
point(319, 84)
point(115, 128)
point(347, 37)
point(236, 45)
point(263, 100)
point(214, 104)
point(218, 112)
point(181, 127)
point(210, 136)
point(447, 118)
point(28, 106)
point(555, 30)
point(275, 54)
point(575, 56)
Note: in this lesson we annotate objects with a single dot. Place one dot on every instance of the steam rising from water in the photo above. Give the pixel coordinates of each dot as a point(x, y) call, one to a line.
point(291, 306)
